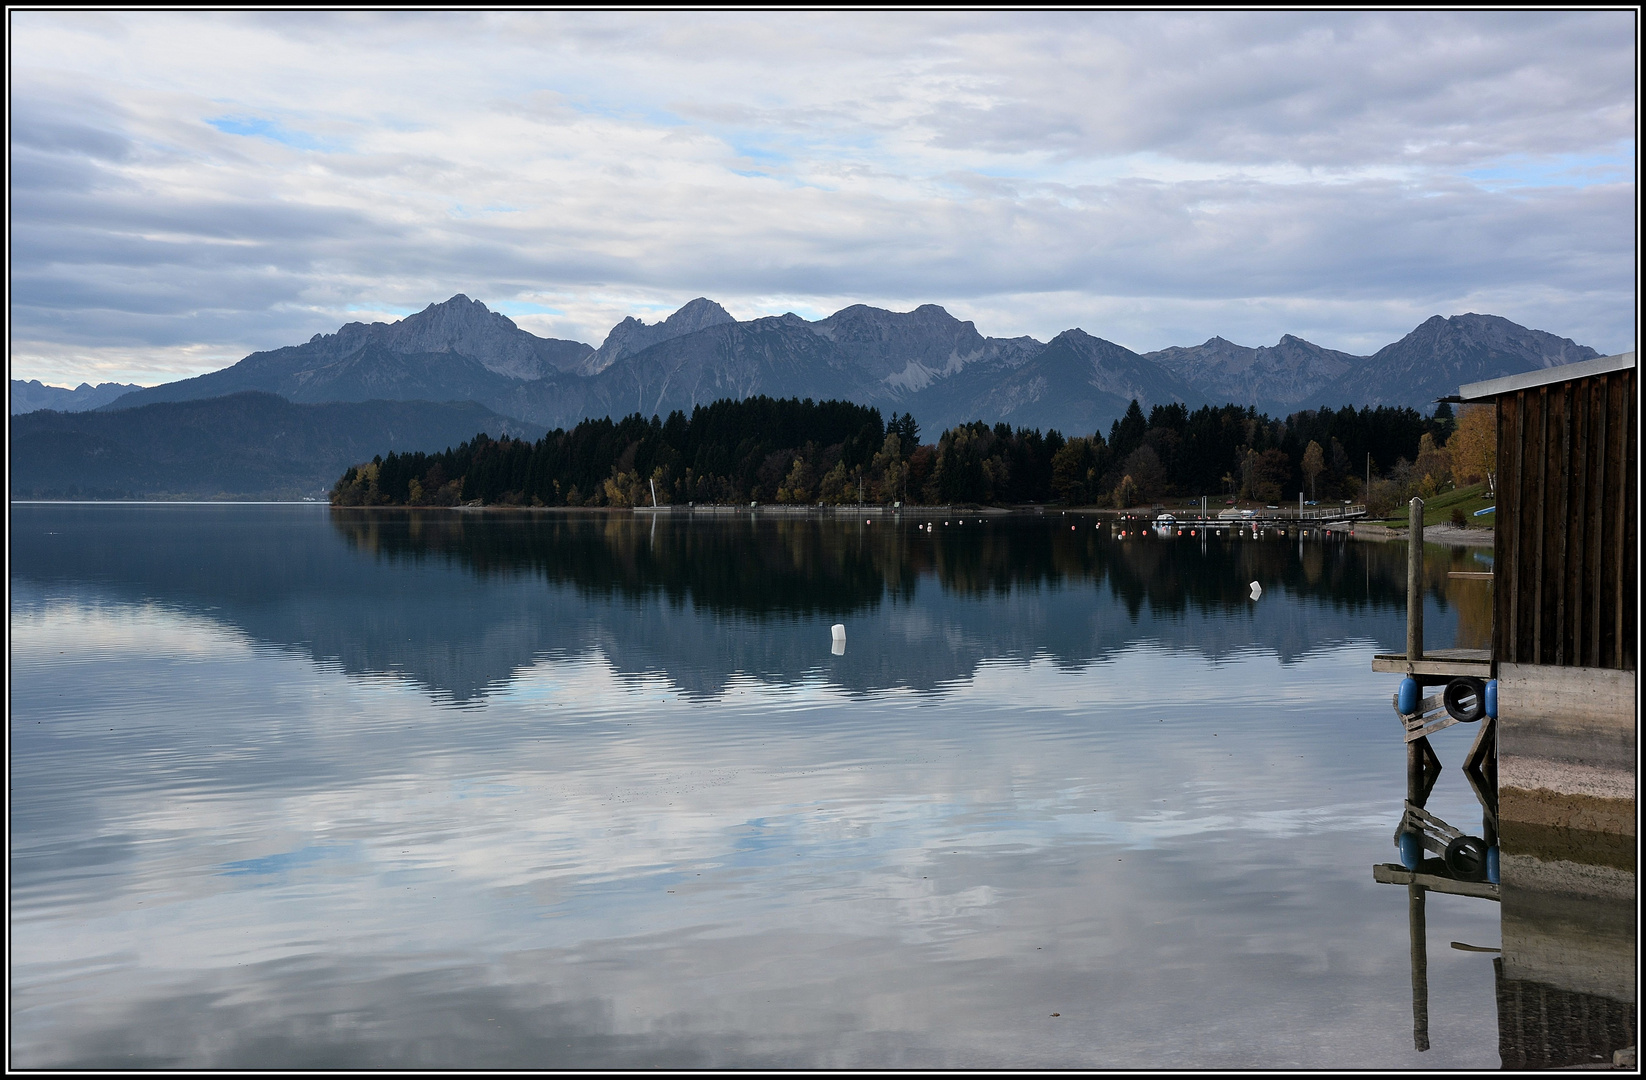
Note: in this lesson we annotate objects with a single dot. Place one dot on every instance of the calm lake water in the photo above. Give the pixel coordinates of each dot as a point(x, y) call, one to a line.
point(302, 787)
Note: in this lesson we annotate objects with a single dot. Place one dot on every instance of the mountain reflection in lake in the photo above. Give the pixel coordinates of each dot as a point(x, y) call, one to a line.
point(300, 787)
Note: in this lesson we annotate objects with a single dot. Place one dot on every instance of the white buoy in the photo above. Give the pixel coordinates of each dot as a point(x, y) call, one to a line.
point(838, 633)
point(1257, 591)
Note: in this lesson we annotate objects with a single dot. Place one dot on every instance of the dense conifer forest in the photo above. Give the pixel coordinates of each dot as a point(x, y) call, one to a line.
point(836, 452)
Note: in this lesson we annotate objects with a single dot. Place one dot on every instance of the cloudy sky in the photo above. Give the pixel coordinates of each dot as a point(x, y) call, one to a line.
point(188, 188)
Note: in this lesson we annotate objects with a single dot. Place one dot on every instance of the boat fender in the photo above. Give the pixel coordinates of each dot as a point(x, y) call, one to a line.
point(1491, 864)
point(1411, 850)
point(1491, 699)
point(1465, 700)
point(1466, 858)
point(1406, 700)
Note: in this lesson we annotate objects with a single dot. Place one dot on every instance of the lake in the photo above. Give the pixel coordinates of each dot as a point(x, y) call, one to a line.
point(302, 787)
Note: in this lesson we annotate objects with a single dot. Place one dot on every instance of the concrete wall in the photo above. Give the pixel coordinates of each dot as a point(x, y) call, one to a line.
point(1566, 747)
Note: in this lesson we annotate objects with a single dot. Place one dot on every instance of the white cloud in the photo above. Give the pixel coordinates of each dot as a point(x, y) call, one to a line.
point(187, 188)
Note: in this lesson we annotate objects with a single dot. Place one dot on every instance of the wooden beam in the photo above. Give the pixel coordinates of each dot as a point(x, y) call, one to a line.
point(1539, 514)
point(1395, 874)
point(1445, 663)
point(1627, 529)
point(1594, 557)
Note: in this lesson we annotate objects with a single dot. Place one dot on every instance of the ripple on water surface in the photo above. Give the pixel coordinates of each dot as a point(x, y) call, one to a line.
point(392, 806)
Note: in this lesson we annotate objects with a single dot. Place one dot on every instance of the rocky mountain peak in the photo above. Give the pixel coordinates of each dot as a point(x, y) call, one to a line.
point(696, 315)
point(902, 349)
point(1446, 352)
point(1076, 337)
point(632, 335)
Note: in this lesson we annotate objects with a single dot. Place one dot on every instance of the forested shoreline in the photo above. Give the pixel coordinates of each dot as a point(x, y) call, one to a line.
point(835, 452)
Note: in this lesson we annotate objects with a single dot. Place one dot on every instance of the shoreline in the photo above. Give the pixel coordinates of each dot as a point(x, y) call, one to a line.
point(1449, 535)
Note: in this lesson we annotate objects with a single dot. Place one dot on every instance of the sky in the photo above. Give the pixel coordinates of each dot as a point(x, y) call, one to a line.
point(189, 188)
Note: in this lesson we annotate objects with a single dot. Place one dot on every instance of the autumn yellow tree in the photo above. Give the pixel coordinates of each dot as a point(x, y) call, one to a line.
point(1314, 460)
point(1474, 444)
point(797, 486)
point(1432, 468)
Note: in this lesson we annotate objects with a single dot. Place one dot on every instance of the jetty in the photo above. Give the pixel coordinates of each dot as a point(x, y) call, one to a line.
point(845, 510)
point(1553, 761)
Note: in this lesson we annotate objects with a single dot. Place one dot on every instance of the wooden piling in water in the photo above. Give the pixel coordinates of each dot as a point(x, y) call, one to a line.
point(1414, 584)
point(1418, 925)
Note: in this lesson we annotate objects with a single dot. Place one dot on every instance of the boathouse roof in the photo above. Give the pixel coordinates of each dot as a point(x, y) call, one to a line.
point(1508, 384)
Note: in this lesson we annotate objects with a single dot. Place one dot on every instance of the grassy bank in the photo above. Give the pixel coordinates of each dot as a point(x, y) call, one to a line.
point(1438, 510)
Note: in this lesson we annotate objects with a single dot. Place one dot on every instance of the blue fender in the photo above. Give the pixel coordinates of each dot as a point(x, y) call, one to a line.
point(1491, 699)
point(1411, 850)
point(1491, 864)
point(1406, 700)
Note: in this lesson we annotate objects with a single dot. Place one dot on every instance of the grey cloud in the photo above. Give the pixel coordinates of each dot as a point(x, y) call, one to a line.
point(1324, 89)
point(258, 242)
point(64, 136)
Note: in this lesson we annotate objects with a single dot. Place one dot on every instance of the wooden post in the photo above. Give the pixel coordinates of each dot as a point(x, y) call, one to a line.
point(1414, 584)
point(1419, 927)
point(1414, 772)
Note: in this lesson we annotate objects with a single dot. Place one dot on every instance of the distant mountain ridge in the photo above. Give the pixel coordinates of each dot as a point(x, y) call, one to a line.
point(33, 395)
point(458, 350)
point(246, 445)
point(631, 335)
point(1445, 353)
point(923, 361)
point(1285, 374)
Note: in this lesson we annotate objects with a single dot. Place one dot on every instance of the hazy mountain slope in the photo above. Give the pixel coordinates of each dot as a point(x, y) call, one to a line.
point(1077, 384)
point(862, 354)
point(1443, 354)
point(248, 445)
point(1275, 378)
point(903, 352)
point(779, 356)
point(390, 360)
point(33, 395)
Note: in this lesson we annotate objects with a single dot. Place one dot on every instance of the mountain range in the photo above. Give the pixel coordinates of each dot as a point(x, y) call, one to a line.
point(923, 361)
point(33, 395)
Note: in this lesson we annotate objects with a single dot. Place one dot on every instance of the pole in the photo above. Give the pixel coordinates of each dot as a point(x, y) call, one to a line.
point(1414, 583)
point(1418, 926)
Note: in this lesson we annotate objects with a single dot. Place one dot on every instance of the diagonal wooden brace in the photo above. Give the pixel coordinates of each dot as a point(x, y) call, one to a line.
point(1436, 834)
point(1431, 716)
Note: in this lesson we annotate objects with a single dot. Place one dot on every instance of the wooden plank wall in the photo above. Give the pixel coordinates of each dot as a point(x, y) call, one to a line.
point(1566, 558)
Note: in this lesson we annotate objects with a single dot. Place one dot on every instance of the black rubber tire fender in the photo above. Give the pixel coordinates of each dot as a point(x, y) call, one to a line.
point(1466, 858)
point(1458, 707)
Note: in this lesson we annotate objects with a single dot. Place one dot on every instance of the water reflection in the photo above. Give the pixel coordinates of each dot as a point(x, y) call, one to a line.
point(1566, 979)
point(461, 603)
point(670, 828)
point(1566, 974)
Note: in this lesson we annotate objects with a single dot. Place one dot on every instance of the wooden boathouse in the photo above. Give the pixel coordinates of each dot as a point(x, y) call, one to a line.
point(1565, 606)
point(1554, 763)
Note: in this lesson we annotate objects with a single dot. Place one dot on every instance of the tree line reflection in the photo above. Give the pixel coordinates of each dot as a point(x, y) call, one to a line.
point(815, 565)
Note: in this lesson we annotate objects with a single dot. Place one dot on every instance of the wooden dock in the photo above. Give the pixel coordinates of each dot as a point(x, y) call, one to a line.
point(1438, 665)
point(848, 510)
